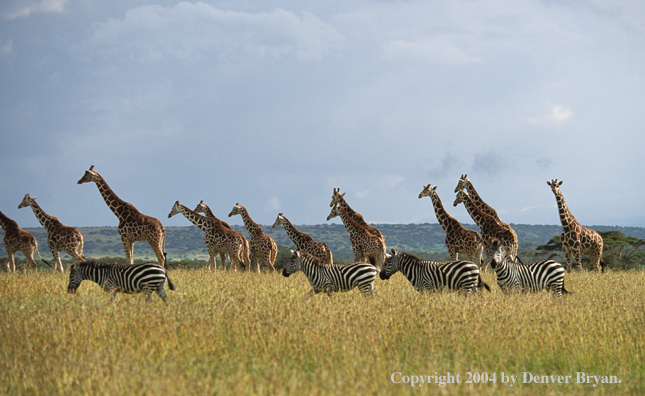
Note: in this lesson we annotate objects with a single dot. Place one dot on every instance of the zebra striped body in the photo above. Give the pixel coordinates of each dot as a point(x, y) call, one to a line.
point(433, 276)
point(123, 278)
point(543, 274)
point(330, 278)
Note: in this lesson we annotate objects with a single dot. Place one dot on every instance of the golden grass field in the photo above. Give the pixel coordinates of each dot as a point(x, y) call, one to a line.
point(245, 333)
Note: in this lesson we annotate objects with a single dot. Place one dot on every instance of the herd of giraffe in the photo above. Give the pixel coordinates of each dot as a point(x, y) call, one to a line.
point(368, 244)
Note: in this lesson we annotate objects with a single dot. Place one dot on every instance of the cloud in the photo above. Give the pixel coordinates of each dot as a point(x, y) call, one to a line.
point(188, 31)
point(439, 49)
point(6, 47)
point(26, 8)
point(560, 113)
point(273, 204)
point(490, 162)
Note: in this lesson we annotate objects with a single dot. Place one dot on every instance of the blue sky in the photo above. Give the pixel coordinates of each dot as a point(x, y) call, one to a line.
point(274, 103)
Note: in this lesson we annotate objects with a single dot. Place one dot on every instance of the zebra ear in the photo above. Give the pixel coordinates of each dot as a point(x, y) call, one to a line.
point(393, 252)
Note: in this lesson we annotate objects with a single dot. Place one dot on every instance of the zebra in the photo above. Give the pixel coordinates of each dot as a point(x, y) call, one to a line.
point(123, 278)
point(331, 278)
point(433, 276)
point(544, 274)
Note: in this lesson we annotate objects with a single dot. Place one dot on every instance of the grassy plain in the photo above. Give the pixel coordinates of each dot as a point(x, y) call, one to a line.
point(243, 333)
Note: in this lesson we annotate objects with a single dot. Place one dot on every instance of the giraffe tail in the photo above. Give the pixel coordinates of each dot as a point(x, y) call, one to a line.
point(42, 259)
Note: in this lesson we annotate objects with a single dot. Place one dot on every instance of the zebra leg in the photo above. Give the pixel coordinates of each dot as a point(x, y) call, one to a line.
point(161, 291)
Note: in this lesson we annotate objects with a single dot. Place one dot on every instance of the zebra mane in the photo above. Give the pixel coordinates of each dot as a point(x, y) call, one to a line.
point(97, 264)
point(311, 258)
point(410, 255)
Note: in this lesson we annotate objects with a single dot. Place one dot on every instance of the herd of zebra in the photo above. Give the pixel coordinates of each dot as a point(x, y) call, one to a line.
point(314, 259)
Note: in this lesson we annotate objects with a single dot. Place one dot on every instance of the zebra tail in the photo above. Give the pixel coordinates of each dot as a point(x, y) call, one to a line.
point(482, 283)
point(565, 291)
point(171, 285)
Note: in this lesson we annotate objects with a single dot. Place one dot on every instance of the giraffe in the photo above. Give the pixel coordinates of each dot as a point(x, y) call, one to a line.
point(364, 244)
point(133, 225)
point(466, 184)
point(59, 236)
point(576, 238)
point(338, 198)
point(18, 240)
point(304, 241)
point(458, 237)
point(203, 208)
point(218, 238)
point(490, 228)
point(263, 248)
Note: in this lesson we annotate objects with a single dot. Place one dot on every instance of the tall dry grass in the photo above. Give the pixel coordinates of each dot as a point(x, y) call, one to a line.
point(244, 333)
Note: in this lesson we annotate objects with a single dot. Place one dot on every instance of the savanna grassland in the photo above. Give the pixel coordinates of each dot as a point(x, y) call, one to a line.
point(245, 333)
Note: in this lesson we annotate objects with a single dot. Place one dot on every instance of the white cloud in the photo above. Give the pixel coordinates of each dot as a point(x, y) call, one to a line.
point(435, 49)
point(190, 30)
point(6, 47)
point(26, 8)
point(273, 204)
point(560, 113)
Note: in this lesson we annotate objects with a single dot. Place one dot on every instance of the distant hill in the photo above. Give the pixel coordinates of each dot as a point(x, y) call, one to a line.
point(187, 243)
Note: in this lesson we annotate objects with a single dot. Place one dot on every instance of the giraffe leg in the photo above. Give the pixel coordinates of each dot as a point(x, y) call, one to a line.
point(159, 253)
point(10, 263)
point(56, 260)
point(129, 250)
point(30, 261)
point(453, 251)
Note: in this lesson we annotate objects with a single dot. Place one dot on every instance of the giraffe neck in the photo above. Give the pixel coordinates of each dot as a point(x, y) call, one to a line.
point(351, 226)
point(479, 202)
point(118, 206)
point(48, 222)
point(251, 226)
point(296, 236)
point(481, 219)
point(566, 218)
point(444, 219)
point(7, 224)
point(195, 218)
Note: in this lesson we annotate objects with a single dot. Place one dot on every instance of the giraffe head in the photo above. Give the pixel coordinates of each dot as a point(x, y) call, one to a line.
point(336, 197)
point(201, 207)
point(463, 182)
point(237, 210)
point(176, 208)
point(280, 220)
point(89, 176)
point(335, 212)
point(428, 191)
point(27, 201)
point(461, 197)
point(555, 186)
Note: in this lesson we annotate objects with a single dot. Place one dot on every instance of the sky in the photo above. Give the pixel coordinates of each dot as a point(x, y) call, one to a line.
point(273, 104)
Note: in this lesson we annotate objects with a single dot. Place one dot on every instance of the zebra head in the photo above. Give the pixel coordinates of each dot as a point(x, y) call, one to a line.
point(498, 252)
point(293, 265)
point(75, 278)
point(390, 265)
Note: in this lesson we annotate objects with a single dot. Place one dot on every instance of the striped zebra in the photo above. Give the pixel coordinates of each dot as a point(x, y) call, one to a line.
point(543, 274)
point(330, 278)
point(123, 278)
point(433, 276)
